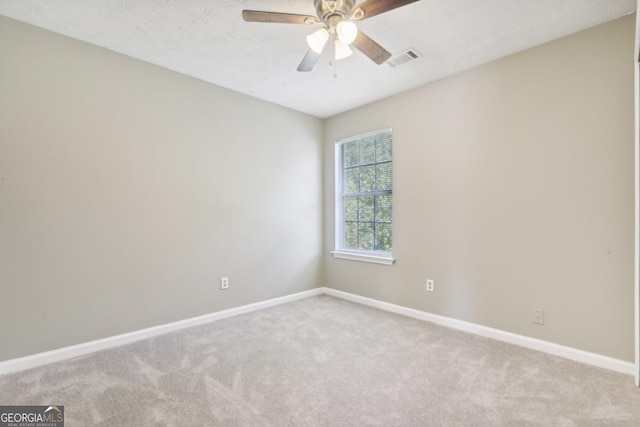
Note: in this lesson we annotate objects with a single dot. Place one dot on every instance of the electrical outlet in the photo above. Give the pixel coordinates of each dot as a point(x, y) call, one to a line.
point(224, 283)
point(430, 285)
point(538, 317)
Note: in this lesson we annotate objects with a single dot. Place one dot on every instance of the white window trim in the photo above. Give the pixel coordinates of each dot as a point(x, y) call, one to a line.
point(376, 257)
point(385, 258)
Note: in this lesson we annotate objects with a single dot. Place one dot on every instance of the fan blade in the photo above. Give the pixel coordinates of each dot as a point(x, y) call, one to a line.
point(376, 7)
point(309, 61)
point(373, 50)
point(275, 17)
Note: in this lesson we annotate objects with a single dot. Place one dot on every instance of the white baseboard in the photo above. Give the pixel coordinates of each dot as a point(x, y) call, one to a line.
point(39, 359)
point(593, 359)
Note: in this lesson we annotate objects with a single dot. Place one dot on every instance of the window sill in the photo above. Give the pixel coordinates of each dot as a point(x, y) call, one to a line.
point(386, 259)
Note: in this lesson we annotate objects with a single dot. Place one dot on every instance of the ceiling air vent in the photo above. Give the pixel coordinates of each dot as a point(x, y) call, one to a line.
point(404, 57)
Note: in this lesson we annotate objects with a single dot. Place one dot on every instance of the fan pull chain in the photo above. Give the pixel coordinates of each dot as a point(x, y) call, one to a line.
point(333, 60)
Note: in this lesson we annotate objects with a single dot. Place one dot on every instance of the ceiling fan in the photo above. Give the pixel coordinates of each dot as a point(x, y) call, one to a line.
point(337, 18)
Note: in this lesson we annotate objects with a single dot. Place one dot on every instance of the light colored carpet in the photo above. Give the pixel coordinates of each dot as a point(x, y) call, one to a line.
point(325, 362)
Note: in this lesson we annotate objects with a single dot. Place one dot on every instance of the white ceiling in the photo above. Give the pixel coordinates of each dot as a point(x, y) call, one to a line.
point(209, 40)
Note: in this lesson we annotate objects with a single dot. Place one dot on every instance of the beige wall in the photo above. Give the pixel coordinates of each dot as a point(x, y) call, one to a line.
point(127, 191)
point(513, 189)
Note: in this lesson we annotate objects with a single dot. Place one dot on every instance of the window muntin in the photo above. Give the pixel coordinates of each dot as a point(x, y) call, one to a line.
point(364, 190)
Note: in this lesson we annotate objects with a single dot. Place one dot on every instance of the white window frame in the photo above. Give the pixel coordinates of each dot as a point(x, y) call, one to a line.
point(377, 257)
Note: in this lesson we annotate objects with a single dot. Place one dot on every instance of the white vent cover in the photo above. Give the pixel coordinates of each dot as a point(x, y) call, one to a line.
point(404, 57)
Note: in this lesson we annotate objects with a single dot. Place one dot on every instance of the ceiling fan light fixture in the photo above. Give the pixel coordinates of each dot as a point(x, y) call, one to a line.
point(318, 39)
point(332, 5)
point(357, 14)
point(338, 19)
point(342, 51)
point(347, 32)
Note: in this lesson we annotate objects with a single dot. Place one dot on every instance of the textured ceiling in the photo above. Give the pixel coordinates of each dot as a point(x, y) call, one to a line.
point(209, 40)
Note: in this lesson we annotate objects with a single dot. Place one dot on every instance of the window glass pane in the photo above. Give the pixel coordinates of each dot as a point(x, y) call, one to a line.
point(350, 154)
point(383, 237)
point(350, 234)
point(351, 209)
point(368, 178)
point(352, 180)
point(383, 147)
point(383, 176)
point(366, 209)
point(365, 236)
point(368, 150)
point(383, 209)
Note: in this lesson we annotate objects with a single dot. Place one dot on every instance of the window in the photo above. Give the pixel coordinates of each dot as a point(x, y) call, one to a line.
point(364, 198)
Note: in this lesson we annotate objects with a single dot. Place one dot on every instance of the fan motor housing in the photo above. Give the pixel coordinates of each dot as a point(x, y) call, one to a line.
point(326, 9)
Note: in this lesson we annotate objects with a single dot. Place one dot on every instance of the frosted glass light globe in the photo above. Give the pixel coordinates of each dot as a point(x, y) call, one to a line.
point(318, 39)
point(347, 32)
point(342, 51)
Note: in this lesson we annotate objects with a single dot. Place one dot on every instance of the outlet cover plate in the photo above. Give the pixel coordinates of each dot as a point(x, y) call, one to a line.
point(538, 316)
point(430, 285)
